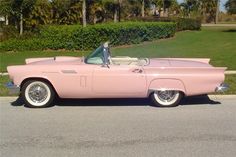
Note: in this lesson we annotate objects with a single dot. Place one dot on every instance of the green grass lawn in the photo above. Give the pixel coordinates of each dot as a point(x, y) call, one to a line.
point(230, 79)
point(14, 58)
point(216, 43)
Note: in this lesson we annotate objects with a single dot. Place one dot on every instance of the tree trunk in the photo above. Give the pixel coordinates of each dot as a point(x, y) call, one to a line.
point(21, 23)
point(7, 21)
point(119, 9)
point(143, 6)
point(115, 15)
point(84, 13)
point(115, 10)
point(217, 12)
point(204, 14)
point(163, 1)
point(189, 13)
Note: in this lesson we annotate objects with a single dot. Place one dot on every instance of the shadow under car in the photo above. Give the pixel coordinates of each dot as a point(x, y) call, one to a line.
point(194, 100)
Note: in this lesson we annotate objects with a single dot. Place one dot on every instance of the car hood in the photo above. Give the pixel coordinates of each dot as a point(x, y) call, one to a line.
point(179, 62)
point(54, 60)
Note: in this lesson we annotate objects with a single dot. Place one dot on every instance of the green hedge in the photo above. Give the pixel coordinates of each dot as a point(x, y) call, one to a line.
point(7, 32)
point(181, 23)
point(187, 24)
point(77, 37)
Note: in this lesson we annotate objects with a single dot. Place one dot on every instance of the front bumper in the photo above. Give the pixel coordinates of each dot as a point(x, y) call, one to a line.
point(13, 89)
point(222, 87)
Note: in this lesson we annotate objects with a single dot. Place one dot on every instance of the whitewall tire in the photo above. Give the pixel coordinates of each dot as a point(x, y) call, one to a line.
point(37, 94)
point(167, 98)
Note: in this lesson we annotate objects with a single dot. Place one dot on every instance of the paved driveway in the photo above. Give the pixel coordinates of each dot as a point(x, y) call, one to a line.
point(119, 127)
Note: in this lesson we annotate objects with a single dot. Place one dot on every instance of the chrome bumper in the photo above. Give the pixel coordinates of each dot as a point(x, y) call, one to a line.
point(13, 89)
point(222, 88)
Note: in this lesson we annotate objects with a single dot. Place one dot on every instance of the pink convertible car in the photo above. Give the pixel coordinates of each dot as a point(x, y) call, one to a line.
point(164, 80)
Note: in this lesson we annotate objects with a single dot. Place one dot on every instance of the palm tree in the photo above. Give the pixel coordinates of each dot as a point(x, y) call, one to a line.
point(208, 9)
point(116, 7)
point(19, 9)
point(96, 10)
point(40, 14)
point(230, 6)
point(217, 11)
point(189, 6)
point(143, 7)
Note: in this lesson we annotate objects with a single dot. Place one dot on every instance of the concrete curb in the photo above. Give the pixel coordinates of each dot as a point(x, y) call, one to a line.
point(219, 25)
point(3, 74)
point(230, 72)
point(222, 96)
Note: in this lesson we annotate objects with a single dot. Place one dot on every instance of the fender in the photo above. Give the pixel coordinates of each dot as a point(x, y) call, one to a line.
point(166, 84)
point(21, 80)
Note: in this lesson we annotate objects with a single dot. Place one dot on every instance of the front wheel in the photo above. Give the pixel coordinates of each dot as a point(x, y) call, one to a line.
point(167, 98)
point(37, 94)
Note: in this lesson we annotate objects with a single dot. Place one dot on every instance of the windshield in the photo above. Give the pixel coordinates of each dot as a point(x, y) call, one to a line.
point(95, 57)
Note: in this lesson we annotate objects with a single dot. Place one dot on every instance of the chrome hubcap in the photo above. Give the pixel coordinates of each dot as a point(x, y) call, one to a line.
point(166, 96)
point(38, 93)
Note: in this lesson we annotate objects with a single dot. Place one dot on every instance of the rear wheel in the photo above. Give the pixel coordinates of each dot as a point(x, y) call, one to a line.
point(167, 98)
point(37, 94)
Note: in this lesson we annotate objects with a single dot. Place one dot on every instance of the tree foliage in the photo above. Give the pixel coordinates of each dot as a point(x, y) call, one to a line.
point(230, 6)
point(40, 14)
point(32, 13)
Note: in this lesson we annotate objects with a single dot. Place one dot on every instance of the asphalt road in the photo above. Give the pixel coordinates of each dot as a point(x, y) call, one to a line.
point(119, 127)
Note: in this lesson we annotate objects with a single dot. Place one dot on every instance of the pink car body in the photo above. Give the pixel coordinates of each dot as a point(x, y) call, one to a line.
point(72, 77)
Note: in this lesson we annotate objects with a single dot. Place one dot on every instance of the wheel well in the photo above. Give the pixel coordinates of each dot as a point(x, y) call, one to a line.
point(38, 79)
point(152, 91)
point(167, 84)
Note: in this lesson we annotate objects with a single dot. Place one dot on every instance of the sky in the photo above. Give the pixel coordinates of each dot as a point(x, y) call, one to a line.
point(222, 3)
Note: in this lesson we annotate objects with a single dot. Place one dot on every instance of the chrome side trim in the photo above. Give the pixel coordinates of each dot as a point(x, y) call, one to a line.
point(222, 88)
point(69, 71)
point(50, 72)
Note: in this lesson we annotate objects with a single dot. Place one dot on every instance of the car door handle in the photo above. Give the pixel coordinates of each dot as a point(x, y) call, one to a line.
point(137, 71)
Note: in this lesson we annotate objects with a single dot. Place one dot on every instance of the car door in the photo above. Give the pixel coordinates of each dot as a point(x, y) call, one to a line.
point(72, 81)
point(119, 81)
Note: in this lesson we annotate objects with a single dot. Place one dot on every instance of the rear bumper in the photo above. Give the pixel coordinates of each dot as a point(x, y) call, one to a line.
point(13, 89)
point(222, 87)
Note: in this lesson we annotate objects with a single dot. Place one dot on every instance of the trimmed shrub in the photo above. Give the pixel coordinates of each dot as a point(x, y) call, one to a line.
point(188, 24)
point(181, 23)
point(7, 32)
point(77, 37)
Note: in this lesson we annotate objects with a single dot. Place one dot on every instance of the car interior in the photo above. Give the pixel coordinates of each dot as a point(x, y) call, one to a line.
point(102, 55)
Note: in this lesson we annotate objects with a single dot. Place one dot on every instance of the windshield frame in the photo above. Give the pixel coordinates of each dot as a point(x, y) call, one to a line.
point(98, 52)
point(102, 52)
